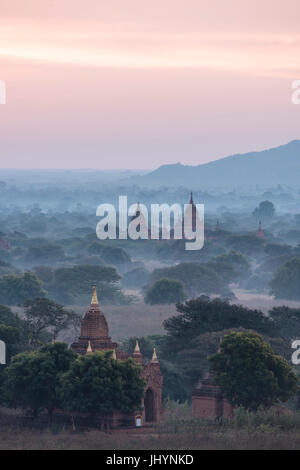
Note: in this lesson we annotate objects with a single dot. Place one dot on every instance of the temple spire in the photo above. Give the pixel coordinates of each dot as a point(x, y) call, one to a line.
point(137, 347)
point(154, 357)
point(114, 355)
point(95, 298)
point(260, 232)
point(89, 348)
point(137, 355)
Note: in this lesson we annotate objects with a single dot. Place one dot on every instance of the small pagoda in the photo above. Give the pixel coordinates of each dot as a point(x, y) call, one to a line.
point(260, 233)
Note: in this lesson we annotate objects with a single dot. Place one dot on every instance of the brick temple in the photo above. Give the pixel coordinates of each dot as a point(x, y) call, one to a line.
point(95, 337)
point(208, 402)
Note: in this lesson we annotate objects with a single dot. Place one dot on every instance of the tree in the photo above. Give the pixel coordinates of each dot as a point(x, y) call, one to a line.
point(239, 262)
point(45, 253)
point(42, 315)
point(287, 321)
point(71, 286)
point(136, 278)
point(45, 274)
point(231, 266)
point(11, 338)
point(196, 277)
point(36, 222)
point(249, 374)
point(165, 291)
point(202, 315)
point(246, 244)
point(194, 333)
point(15, 288)
point(12, 332)
point(271, 264)
point(32, 378)
point(6, 268)
point(97, 383)
point(8, 318)
point(112, 255)
point(275, 250)
point(286, 281)
point(265, 209)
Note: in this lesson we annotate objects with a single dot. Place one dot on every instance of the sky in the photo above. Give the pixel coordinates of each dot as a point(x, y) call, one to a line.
point(136, 84)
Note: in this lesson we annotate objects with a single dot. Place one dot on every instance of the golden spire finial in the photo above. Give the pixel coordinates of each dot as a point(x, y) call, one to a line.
point(137, 347)
point(94, 298)
point(154, 357)
point(114, 355)
point(53, 340)
point(89, 348)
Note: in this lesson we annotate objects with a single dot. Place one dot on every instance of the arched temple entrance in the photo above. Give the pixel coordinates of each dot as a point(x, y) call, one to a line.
point(149, 406)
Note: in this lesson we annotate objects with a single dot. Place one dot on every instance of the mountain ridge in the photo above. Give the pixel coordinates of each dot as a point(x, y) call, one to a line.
point(277, 165)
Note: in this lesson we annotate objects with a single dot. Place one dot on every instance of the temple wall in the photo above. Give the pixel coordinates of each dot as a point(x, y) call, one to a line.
point(204, 407)
point(211, 408)
point(227, 409)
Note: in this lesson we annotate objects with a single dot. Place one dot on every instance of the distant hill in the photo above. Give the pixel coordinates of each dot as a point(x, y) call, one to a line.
point(280, 165)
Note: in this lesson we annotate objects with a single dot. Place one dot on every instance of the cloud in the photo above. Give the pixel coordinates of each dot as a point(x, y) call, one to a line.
point(127, 46)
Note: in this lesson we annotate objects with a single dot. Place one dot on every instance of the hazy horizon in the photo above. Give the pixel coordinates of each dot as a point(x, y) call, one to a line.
point(128, 170)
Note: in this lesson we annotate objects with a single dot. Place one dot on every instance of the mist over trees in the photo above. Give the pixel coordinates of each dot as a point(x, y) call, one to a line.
point(165, 291)
point(265, 210)
point(286, 281)
point(195, 332)
point(50, 257)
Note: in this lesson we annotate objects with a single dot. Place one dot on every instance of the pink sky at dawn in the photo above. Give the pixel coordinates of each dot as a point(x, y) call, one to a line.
point(136, 84)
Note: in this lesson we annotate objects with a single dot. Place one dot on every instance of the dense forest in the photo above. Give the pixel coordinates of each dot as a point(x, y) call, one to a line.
point(50, 257)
